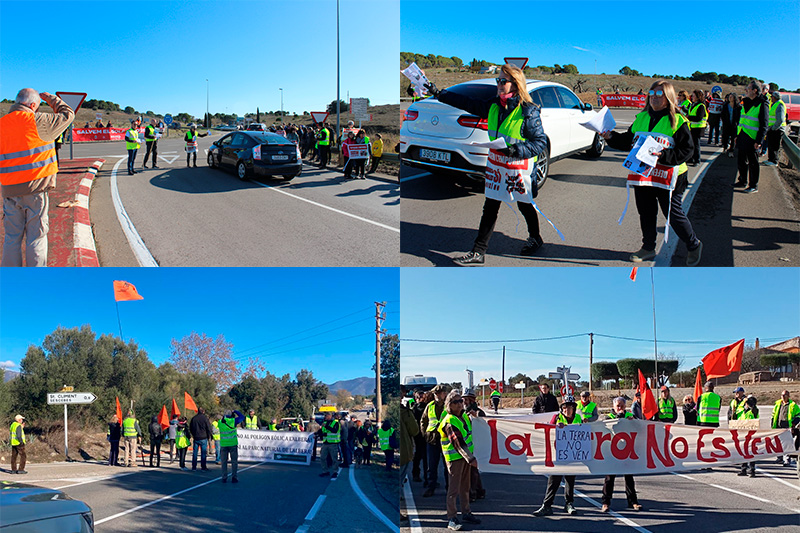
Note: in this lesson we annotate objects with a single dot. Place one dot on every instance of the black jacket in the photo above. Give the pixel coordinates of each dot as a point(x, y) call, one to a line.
point(763, 117)
point(156, 433)
point(689, 415)
point(545, 403)
point(670, 157)
point(729, 120)
point(200, 427)
point(114, 431)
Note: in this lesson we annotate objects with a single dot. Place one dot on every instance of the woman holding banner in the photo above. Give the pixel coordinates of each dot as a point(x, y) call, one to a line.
point(618, 411)
point(665, 186)
point(513, 117)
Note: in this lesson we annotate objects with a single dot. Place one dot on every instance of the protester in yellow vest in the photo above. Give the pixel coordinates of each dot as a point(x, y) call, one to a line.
point(385, 435)
point(667, 409)
point(17, 432)
point(662, 121)
point(750, 133)
point(618, 411)
point(229, 441)
point(131, 436)
point(429, 425)
point(698, 119)
point(151, 140)
point(456, 439)
point(786, 414)
point(215, 433)
point(273, 425)
point(588, 409)
point(324, 146)
point(251, 421)
point(331, 436)
point(191, 144)
point(776, 125)
point(708, 406)
point(28, 169)
point(132, 143)
point(737, 405)
point(569, 415)
point(512, 116)
point(749, 412)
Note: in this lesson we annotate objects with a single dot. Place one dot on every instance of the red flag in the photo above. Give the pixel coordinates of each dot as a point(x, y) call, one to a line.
point(698, 385)
point(175, 410)
point(189, 403)
point(649, 405)
point(723, 361)
point(163, 417)
point(119, 410)
point(124, 291)
point(634, 270)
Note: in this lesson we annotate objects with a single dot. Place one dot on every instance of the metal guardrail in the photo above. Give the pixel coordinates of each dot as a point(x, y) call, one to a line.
point(391, 156)
point(791, 150)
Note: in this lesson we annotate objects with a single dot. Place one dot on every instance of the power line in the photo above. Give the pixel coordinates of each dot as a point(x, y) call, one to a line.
point(498, 341)
point(615, 337)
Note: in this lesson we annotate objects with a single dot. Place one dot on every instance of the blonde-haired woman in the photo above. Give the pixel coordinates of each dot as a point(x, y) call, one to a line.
point(662, 120)
point(512, 101)
point(698, 118)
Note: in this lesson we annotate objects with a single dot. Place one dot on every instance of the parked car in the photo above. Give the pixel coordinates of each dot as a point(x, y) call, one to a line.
point(31, 509)
point(418, 382)
point(436, 137)
point(255, 126)
point(256, 152)
point(792, 101)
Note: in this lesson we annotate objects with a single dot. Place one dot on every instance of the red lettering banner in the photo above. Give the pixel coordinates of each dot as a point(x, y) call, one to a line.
point(528, 445)
point(623, 100)
point(101, 134)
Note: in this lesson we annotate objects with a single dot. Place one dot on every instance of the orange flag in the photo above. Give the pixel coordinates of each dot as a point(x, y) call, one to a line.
point(634, 271)
point(189, 403)
point(723, 361)
point(124, 291)
point(649, 405)
point(119, 410)
point(163, 417)
point(698, 385)
point(175, 410)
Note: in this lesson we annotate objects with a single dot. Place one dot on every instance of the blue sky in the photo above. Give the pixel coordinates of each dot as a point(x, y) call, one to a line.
point(715, 305)
point(157, 55)
point(664, 37)
point(250, 307)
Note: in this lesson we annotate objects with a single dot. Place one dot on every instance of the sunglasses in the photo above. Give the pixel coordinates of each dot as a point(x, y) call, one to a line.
point(502, 81)
point(655, 93)
point(457, 401)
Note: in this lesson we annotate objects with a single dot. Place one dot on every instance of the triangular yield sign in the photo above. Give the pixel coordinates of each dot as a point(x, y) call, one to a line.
point(518, 62)
point(319, 116)
point(74, 100)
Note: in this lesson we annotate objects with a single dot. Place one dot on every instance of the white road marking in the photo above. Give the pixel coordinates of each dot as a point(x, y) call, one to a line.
point(168, 497)
point(345, 213)
point(624, 520)
point(313, 512)
point(143, 255)
point(664, 257)
point(369, 505)
point(416, 176)
point(91, 480)
point(776, 478)
point(762, 500)
point(169, 161)
point(411, 510)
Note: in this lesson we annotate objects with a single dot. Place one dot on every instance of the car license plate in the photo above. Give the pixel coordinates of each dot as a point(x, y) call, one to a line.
point(280, 157)
point(435, 155)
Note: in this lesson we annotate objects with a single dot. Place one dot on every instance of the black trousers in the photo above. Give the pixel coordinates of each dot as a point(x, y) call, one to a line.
point(152, 146)
point(324, 155)
point(728, 136)
point(375, 162)
point(113, 453)
point(748, 160)
point(697, 134)
point(714, 120)
point(490, 209)
point(155, 451)
point(189, 155)
point(182, 457)
point(420, 456)
point(630, 490)
point(774, 144)
point(553, 482)
point(648, 200)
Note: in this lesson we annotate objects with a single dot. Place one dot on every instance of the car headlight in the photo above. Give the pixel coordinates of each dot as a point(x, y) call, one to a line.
point(89, 521)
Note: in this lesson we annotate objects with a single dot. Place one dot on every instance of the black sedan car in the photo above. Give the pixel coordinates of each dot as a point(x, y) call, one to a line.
point(256, 152)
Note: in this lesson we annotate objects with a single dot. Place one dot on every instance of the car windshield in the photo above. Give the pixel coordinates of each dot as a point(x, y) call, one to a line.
point(474, 90)
point(266, 137)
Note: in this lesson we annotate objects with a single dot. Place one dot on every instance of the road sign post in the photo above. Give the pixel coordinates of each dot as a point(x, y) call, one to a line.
point(74, 100)
point(563, 373)
point(521, 387)
point(483, 382)
point(66, 398)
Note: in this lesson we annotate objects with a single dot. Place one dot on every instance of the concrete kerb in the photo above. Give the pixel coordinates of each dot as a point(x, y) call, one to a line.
point(83, 238)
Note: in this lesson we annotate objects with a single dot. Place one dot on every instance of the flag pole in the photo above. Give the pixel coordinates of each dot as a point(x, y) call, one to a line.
point(655, 342)
point(119, 322)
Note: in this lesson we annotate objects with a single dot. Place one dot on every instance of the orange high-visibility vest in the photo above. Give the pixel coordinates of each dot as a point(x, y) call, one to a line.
point(24, 156)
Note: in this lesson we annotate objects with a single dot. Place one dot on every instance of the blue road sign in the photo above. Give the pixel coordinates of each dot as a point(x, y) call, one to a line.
point(716, 89)
point(168, 119)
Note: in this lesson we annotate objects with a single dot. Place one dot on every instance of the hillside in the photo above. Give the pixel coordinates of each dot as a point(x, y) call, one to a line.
point(585, 90)
point(358, 386)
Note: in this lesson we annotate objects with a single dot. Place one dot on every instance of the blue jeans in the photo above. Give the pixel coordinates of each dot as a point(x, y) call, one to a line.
point(216, 449)
point(203, 445)
point(131, 158)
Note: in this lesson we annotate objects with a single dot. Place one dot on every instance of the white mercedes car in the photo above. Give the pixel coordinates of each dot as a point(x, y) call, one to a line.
point(436, 137)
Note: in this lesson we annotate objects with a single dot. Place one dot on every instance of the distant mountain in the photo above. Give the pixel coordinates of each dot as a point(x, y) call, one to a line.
point(8, 375)
point(362, 386)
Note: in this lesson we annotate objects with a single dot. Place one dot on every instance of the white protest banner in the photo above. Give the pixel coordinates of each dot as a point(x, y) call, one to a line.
point(507, 179)
point(417, 77)
point(573, 444)
point(527, 445)
point(359, 151)
point(275, 446)
point(601, 122)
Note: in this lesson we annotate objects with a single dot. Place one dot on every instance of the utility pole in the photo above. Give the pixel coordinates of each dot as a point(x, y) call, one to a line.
point(338, 134)
point(503, 374)
point(655, 341)
point(281, 90)
point(208, 117)
point(591, 346)
point(379, 317)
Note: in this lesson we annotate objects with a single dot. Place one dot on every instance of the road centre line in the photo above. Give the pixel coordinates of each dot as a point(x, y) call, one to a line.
point(345, 213)
point(306, 525)
point(143, 255)
point(664, 257)
point(94, 479)
point(762, 500)
point(776, 478)
point(624, 520)
point(168, 497)
point(411, 509)
point(369, 505)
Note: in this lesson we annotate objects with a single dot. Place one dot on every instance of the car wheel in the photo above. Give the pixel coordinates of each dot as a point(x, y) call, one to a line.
point(211, 162)
point(542, 168)
point(598, 145)
point(241, 171)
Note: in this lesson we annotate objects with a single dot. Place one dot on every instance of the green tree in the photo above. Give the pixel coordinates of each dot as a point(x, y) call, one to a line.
point(129, 110)
point(343, 107)
point(390, 367)
point(200, 353)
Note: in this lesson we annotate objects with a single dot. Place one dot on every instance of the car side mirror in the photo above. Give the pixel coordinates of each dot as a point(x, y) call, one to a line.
point(587, 106)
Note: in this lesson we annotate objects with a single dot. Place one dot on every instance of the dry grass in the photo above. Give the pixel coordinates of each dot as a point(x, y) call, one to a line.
point(45, 443)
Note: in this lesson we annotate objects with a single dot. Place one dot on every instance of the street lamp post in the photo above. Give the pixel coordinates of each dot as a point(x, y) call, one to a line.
point(208, 117)
point(281, 90)
point(337, 70)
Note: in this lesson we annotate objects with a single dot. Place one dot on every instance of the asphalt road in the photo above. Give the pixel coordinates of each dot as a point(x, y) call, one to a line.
point(269, 497)
point(707, 501)
point(206, 217)
point(584, 198)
